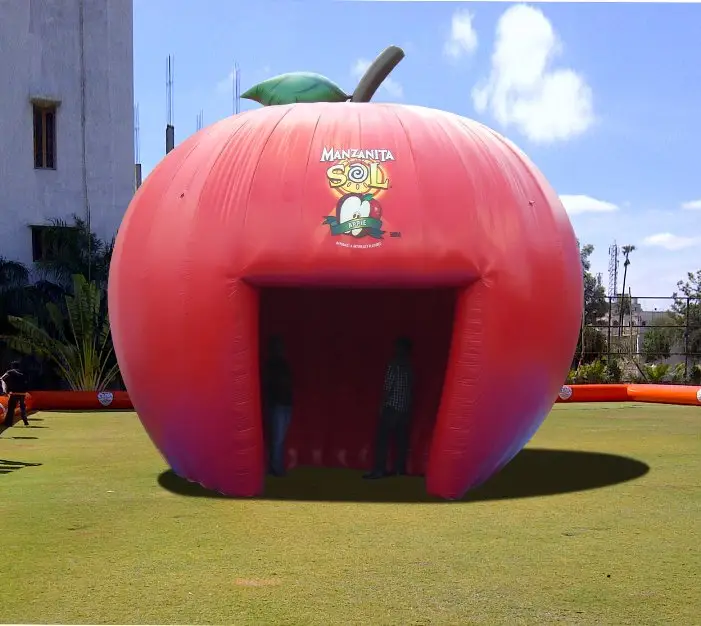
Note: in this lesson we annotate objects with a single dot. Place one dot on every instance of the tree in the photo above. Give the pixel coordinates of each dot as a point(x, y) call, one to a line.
point(591, 344)
point(595, 301)
point(595, 346)
point(687, 311)
point(658, 340)
point(77, 343)
point(624, 305)
point(626, 253)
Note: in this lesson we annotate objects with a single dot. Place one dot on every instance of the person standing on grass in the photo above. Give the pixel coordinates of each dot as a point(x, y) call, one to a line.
point(14, 383)
point(277, 400)
point(395, 416)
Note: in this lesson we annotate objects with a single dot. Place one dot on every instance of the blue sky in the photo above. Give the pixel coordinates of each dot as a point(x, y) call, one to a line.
point(604, 98)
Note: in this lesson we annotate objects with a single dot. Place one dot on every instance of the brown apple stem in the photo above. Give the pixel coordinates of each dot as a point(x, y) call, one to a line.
point(377, 72)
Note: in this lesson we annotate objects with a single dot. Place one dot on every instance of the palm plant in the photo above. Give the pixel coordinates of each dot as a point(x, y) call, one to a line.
point(73, 249)
point(626, 253)
point(14, 281)
point(76, 340)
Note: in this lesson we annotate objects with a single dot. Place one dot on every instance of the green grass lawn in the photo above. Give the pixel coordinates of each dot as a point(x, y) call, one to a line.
point(597, 522)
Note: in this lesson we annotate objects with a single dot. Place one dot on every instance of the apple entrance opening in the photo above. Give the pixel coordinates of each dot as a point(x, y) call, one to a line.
point(338, 343)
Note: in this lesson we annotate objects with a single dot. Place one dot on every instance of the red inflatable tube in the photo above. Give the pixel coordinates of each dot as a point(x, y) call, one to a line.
point(593, 393)
point(79, 400)
point(73, 401)
point(658, 394)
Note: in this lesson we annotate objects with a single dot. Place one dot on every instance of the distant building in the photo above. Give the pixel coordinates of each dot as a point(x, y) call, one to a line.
point(66, 117)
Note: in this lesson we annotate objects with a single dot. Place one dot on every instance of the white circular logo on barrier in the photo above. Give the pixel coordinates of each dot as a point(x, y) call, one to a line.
point(565, 392)
point(698, 396)
point(105, 398)
point(2, 411)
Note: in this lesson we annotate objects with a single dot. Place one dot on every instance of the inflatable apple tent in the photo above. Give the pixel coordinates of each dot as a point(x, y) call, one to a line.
point(341, 225)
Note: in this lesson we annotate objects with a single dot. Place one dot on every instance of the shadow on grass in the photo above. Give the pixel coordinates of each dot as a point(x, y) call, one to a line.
point(6, 467)
point(533, 472)
point(8, 431)
point(17, 420)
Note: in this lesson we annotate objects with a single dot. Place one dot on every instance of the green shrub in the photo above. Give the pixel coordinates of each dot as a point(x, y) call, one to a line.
point(695, 375)
point(613, 371)
point(677, 374)
point(658, 373)
point(590, 373)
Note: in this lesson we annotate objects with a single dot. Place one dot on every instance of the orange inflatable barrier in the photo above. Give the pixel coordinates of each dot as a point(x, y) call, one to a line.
point(665, 394)
point(659, 394)
point(119, 400)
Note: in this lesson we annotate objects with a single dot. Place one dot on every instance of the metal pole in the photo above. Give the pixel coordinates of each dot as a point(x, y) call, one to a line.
point(686, 339)
point(88, 221)
point(608, 338)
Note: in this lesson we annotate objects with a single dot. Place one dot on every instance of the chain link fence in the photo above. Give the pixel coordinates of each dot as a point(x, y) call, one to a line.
point(651, 339)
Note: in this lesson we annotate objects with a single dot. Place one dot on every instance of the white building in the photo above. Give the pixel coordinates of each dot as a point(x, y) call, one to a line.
point(66, 117)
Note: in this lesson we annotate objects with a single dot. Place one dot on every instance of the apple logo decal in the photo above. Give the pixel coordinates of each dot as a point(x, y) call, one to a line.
point(352, 207)
point(105, 398)
point(359, 215)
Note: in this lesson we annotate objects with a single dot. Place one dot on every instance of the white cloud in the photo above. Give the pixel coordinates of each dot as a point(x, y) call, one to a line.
point(668, 241)
point(574, 205)
point(524, 91)
point(463, 37)
point(389, 85)
point(692, 205)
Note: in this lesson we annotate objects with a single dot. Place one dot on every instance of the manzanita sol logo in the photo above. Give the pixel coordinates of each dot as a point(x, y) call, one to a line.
point(357, 178)
point(565, 392)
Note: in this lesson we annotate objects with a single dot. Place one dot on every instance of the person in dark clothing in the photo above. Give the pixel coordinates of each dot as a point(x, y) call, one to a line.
point(395, 416)
point(277, 401)
point(14, 383)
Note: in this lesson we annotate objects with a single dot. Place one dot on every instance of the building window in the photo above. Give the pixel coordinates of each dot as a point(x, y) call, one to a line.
point(47, 241)
point(44, 136)
point(38, 243)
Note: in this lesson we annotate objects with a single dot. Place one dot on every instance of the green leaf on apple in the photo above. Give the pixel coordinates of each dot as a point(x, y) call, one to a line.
point(296, 87)
point(367, 197)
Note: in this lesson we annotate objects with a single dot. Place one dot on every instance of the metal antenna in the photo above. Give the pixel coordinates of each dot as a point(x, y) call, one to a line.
point(200, 120)
point(137, 155)
point(137, 148)
point(170, 129)
point(237, 89)
point(169, 90)
point(613, 270)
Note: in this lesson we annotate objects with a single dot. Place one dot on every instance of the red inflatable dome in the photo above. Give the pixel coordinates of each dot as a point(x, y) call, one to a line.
point(341, 226)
